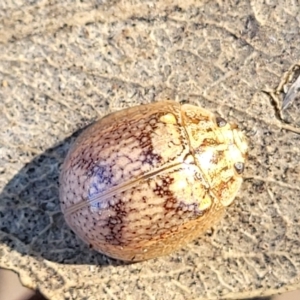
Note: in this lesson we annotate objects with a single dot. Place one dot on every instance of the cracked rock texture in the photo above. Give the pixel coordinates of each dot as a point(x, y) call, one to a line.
point(64, 64)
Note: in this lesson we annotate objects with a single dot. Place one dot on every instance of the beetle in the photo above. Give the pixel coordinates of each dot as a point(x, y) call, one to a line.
point(144, 181)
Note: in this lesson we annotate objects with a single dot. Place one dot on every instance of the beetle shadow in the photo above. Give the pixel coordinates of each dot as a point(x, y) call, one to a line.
point(31, 221)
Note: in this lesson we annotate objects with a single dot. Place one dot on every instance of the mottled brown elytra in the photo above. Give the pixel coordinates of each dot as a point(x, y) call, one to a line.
point(146, 180)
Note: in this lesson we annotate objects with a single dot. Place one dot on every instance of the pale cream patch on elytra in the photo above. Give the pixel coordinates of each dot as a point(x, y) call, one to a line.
point(168, 119)
point(188, 187)
point(205, 202)
point(166, 138)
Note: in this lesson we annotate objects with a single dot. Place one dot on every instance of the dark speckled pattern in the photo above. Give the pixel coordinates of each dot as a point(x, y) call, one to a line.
point(144, 181)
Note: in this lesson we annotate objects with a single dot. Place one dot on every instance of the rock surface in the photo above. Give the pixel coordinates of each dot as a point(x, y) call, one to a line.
point(65, 64)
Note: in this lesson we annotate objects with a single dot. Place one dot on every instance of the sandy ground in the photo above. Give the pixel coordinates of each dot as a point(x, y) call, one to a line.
point(12, 289)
